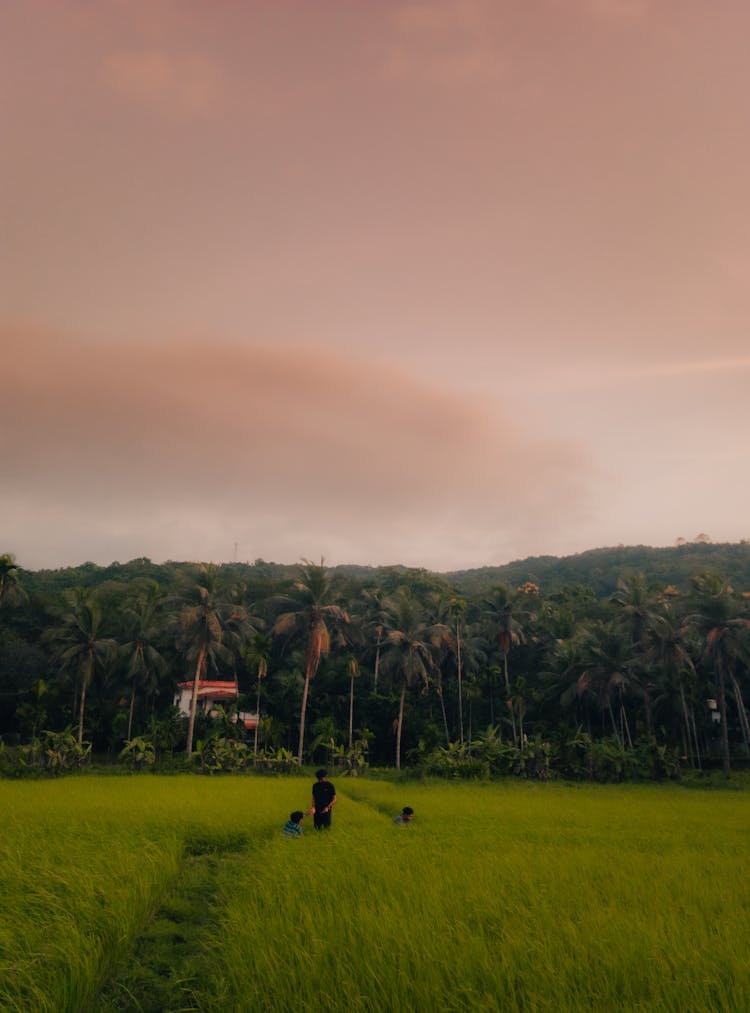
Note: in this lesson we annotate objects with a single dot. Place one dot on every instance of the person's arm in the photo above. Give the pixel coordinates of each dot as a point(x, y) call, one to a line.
point(331, 804)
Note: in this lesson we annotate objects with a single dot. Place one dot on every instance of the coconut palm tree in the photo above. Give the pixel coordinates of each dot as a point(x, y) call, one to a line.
point(352, 667)
point(723, 634)
point(258, 655)
point(410, 650)
point(669, 653)
point(145, 662)
point(637, 603)
point(11, 592)
point(562, 678)
point(80, 644)
point(458, 607)
point(509, 631)
point(313, 612)
point(376, 604)
point(608, 660)
point(205, 634)
point(473, 661)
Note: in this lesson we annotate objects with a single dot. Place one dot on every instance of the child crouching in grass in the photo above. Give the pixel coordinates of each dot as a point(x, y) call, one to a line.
point(292, 826)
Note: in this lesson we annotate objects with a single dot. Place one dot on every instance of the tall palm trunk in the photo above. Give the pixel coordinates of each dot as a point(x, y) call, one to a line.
point(741, 711)
point(614, 724)
point(400, 726)
point(695, 737)
point(507, 690)
point(687, 724)
point(257, 722)
point(351, 710)
point(130, 713)
point(723, 714)
point(377, 656)
point(648, 712)
point(624, 721)
point(445, 719)
point(302, 715)
point(84, 681)
point(199, 666)
point(460, 693)
point(312, 660)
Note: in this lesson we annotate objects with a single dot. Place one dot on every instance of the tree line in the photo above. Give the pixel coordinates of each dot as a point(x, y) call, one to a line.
point(392, 666)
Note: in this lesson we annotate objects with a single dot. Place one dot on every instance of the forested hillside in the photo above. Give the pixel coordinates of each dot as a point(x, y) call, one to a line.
point(597, 665)
point(600, 569)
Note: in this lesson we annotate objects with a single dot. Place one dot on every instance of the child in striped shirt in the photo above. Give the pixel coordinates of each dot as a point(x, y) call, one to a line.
point(292, 826)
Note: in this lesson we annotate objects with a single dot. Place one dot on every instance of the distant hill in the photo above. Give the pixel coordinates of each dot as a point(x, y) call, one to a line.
point(600, 568)
point(596, 568)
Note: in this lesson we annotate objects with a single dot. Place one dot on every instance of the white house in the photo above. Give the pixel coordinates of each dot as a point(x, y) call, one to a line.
point(212, 692)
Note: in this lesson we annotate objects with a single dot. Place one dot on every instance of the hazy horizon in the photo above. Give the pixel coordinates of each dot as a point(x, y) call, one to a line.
point(452, 282)
point(700, 539)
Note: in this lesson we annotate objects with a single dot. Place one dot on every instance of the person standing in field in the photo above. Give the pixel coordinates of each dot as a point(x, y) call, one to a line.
point(323, 800)
point(405, 817)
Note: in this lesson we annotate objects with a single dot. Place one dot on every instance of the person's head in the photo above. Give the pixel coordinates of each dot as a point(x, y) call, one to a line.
point(321, 774)
point(407, 813)
point(296, 816)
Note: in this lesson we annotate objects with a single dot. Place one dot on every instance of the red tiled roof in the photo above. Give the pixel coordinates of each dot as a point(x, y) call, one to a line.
point(210, 684)
point(214, 689)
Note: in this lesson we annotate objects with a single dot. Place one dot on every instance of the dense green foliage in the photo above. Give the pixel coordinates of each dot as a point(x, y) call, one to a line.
point(609, 665)
point(178, 893)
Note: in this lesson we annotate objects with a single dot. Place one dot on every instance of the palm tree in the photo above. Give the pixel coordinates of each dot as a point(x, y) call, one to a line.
point(352, 667)
point(410, 644)
point(608, 664)
point(144, 660)
point(473, 660)
point(724, 638)
point(11, 592)
point(637, 603)
point(458, 614)
point(562, 679)
point(80, 646)
point(669, 652)
point(509, 631)
point(258, 655)
point(311, 613)
point(376, 614)
point(203, 636)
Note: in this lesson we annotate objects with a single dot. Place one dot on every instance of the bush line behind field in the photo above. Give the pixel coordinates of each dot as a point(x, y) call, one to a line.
point(575, 757)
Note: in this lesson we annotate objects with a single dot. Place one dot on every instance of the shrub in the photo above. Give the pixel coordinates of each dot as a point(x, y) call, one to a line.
point(278, 761)
point(222, 755)
point(138, 752)
point(51, 753)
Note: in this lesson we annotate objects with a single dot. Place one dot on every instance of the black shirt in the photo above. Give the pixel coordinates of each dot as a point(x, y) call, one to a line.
point(323, 792)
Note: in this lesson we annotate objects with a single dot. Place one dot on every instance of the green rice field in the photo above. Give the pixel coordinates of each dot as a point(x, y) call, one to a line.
point(180, 893)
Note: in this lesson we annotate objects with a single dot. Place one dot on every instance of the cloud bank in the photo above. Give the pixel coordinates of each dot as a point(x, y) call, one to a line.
point(181, 450)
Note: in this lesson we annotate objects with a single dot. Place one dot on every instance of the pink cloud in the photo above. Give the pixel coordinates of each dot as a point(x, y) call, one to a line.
point(180, 85)
point(446, 42)
point(302, 447)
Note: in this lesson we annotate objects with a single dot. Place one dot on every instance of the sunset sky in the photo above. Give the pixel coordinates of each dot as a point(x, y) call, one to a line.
point(441, 283)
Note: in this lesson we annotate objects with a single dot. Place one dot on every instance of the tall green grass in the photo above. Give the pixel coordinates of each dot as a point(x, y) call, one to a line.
point(519, 898)
point(86, 861)
point(510, 896)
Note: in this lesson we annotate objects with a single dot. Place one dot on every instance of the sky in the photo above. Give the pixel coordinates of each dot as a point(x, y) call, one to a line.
point(443, 283)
